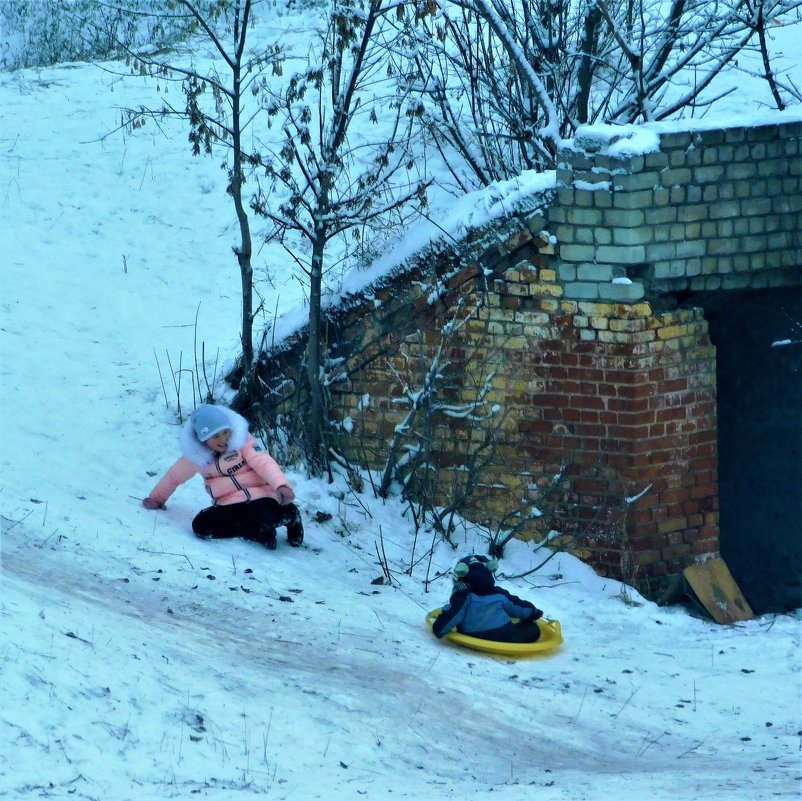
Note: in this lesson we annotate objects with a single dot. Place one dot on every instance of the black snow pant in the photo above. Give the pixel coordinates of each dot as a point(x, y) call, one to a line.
point(522, 631)
point(254, 520)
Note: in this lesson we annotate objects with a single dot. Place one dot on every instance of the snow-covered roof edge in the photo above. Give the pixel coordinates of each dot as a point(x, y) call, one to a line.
point(470, 213)
point(466, 221)
point(641, 138)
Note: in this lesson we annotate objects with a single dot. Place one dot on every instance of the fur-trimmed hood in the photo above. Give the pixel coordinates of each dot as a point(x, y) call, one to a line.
point(198, 453)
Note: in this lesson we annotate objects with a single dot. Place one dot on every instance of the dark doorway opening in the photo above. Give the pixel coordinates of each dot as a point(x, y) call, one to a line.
point(758, 340)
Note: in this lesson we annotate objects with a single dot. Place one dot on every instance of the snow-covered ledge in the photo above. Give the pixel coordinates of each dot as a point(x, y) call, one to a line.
point(660, 207)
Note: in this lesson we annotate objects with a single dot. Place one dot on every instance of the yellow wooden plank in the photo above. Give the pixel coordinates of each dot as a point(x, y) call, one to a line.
point(715, 588)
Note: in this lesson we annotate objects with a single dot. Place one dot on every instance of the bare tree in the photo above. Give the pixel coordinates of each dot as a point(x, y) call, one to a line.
point(760, 14)
point(216, 113)
point(486, 100)
point(504, 81)
point(326, 181)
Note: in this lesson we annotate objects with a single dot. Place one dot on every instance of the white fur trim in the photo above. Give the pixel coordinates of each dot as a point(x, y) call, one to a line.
point(198, 453)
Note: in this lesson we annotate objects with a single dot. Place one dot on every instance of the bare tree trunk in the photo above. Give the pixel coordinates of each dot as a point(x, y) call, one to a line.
point(332, 188)
point(587, 63)
point(318, 417)
point(760, 27)
point(549, 133)
point(217, 127)
point(245, 249)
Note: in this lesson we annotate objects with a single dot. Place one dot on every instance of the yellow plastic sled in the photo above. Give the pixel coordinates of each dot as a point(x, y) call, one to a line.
point(551, 637)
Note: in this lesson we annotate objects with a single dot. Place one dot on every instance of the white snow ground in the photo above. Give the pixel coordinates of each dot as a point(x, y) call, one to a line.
point(137, 662)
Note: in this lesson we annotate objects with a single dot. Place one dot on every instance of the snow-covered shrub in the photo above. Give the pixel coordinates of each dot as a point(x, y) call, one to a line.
point(40, 33)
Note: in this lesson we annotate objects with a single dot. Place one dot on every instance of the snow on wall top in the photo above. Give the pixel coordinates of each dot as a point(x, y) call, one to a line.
point(639, 139)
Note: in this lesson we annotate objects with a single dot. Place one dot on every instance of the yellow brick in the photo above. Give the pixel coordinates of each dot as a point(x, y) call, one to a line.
point(638, 324)
point(548, 276)
point(597, 309)
point(478, 340)
point(671, 331)
point(552, 290)
point(516, 343)
point(641, 309)
point(521, 275)
point(538, 332)
point(509, 424)
point(533, 318)
point(672, 524)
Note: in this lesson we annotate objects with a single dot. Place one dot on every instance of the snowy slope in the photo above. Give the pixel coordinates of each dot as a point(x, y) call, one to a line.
point(138, 662)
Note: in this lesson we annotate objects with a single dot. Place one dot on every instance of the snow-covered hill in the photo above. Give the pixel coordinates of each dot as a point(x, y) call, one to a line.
point(138, 662)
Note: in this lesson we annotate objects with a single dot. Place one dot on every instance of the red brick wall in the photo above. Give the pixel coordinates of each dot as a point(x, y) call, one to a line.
point(626, 394)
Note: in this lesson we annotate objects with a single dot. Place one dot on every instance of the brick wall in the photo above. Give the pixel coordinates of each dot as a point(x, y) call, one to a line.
point(700, 210)
point(567, 306)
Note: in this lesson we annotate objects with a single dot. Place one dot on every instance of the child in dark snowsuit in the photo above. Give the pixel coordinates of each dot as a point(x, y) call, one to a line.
point(479, 608)
point(251, 494)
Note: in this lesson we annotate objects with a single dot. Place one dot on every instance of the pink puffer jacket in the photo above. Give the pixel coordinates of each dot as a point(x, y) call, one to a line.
point(241, 474)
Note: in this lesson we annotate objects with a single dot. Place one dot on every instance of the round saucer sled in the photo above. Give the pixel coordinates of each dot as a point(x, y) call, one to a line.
point(551, 637)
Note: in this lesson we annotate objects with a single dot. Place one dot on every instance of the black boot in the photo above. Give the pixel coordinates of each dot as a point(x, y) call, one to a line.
point(295, 530)
point(267, 536)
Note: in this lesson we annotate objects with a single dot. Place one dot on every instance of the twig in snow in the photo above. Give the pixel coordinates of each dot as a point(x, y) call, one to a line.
point(161, 378)
point(266, 737)
point(581, 704)
point(383, 558)
point(61, 746)
point(626, 703)
point(73, 636)
point(45, 540)
point(692, 748)
point(21, 520)
point(167, 553)
point(634, 498)
point(648, 742)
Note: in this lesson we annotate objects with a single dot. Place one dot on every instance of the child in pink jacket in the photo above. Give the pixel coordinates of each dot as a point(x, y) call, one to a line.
point(251, 494)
